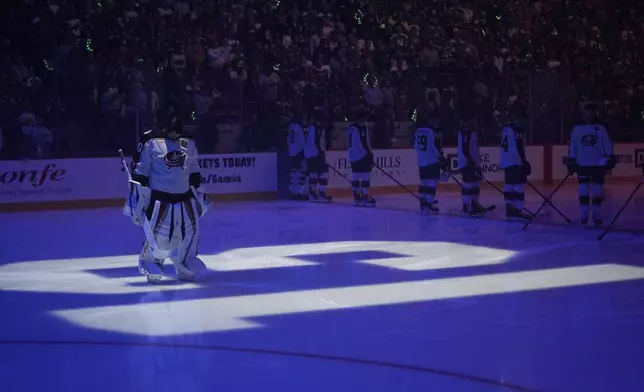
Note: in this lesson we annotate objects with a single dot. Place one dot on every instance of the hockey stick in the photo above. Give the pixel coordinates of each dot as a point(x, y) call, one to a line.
point(397, 182)
point(147, 229)
point(637, 188)
point(549, 202)
point(490, 183)
point(545, 203)
point(480, 176)
point(338, 173)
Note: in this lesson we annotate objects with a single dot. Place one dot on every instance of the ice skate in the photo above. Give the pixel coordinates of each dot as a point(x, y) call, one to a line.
point(368, 201)
point(153, 271)
point(523, 215)
point(428, 207)
point(184, 272)
point(313, 196)
point(357, 199)
point(511, 212)
point(324, 198)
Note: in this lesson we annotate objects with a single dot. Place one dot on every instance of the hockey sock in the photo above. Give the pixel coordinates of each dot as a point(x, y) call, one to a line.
point(423, 189)
point(294, 183)
point(302, 178)
point(476, 191)
point(597, 192)
point(430, 187)
point(355, 185)
point(313, 183)
point(584, 198)
point(469, 192)
point(365, 183)
point(519, 196)
point(508, 195)
point(323, 181)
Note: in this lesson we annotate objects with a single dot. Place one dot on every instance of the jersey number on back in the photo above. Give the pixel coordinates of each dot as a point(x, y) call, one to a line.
point(421, 143)
point(504, 144)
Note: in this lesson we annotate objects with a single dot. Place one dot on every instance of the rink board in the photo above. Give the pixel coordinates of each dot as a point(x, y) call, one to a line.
point(101, 182)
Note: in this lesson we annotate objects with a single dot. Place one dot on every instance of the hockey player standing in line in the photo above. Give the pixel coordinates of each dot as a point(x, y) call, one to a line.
point(428, 143)
point(315, 154)
point(516, 168)
point(361, 160)
point(469, 163)
point(167, 169)
point(295, 140)
point(590, 155)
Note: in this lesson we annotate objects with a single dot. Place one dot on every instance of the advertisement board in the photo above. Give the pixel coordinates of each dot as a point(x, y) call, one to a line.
point(239, 173)
point(402, 165)
point(61, 180)
point(103, 178)
point(630, 157)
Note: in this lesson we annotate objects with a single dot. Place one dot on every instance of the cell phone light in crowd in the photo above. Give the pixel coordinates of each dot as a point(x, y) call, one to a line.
point(88, 45)
point(358, 16)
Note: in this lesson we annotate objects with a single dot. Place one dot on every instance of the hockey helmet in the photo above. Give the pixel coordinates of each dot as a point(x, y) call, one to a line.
point(174, 129)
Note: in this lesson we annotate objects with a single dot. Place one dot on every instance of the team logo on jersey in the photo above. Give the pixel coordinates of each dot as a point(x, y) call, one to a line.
point(588, 140)
point(175, 159)
point(184, 143)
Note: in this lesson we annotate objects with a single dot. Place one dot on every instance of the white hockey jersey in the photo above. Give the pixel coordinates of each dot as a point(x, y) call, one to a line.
point(468, 148)
point(428, 145)
point(512, 147)
point(168, 163)
point(314, 141)
point(295, 139)
point(590, 144)
point(358, 142)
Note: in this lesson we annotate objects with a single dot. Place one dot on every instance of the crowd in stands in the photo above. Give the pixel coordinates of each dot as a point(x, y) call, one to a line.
point(82, 77)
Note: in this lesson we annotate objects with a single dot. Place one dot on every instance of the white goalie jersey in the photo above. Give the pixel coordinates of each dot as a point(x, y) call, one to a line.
point(168, 164)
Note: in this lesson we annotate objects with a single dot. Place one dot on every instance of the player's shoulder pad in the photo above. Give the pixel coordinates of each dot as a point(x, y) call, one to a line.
point(151, 142)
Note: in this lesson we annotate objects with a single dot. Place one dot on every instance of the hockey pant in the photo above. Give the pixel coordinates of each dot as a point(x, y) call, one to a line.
point(318, 173)
point(175, 229)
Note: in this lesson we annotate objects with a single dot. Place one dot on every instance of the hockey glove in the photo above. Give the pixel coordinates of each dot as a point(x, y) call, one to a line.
point(609, 162)
point(444, 163)
point(527, 168)
point(571, 165)
point(204, 204)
